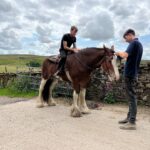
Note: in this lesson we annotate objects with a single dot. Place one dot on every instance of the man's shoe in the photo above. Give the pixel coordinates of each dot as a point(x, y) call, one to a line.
point(124, 121)
point(129, 126)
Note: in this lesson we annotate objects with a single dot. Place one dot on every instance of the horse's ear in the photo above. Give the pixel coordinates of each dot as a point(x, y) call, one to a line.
point(104, 46)
point(112, 47)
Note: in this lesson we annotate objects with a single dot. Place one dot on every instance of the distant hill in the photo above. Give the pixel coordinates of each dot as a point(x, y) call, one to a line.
point(20, 59)
point(12, 61)
point(9, 63)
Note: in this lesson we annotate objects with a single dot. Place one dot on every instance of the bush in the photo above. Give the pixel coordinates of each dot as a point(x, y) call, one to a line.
point(33, 64)
point(20, 84)
point(109, 98)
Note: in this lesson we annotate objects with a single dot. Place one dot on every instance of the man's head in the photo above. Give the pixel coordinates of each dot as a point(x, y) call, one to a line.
point(73, 31)
point(129, 35)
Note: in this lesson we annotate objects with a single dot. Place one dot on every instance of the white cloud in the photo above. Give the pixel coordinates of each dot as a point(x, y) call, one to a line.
point(38, 25)
point(97, 27)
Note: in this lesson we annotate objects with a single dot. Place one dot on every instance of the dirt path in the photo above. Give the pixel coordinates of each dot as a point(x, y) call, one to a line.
point(25, 127)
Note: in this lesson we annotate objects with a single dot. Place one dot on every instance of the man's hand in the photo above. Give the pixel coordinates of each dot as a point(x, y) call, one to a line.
point(117, 53)
point(122, 54)
point(76, 50)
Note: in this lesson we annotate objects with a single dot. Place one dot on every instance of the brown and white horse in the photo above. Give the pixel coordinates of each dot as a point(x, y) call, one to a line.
point(79, 67)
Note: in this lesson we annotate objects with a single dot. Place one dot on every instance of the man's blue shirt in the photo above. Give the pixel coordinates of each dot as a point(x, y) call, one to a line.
point(135, 51)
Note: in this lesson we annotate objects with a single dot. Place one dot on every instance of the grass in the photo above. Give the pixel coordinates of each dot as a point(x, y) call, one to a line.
point(9, 93)
point(12, 61)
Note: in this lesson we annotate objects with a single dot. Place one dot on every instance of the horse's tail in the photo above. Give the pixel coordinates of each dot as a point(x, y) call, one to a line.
point(48, 70)
point(46, 90)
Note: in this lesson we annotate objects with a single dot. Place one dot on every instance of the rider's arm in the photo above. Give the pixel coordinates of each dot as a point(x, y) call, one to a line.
point(66, 47)
point(74, 45)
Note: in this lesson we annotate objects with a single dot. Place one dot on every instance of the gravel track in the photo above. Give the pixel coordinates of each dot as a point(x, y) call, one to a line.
point(25, 127)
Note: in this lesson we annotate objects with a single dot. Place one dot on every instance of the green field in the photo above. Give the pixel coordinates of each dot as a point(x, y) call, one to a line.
point(9, 93)
point(9, 63)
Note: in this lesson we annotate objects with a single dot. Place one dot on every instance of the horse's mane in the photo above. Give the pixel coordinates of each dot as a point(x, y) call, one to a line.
point(89, 49)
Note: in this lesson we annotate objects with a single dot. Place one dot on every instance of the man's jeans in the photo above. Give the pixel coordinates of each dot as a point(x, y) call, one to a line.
point(130, 84)
point(62, 62)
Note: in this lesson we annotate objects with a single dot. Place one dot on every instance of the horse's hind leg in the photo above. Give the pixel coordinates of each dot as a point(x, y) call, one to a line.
point(40, 102)
point(51, 101)
point(82, 103)
point(75, 111)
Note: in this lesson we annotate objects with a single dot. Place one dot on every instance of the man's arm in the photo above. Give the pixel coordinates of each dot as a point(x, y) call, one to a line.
point(66, 47)
point(122, 54)
point(74, 49)
point(127, 52)
point(74, 45)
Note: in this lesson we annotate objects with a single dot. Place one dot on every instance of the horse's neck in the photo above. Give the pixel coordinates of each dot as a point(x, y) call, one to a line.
point(91, 58)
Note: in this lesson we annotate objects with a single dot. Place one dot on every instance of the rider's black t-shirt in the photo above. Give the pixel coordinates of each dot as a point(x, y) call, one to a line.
point(69, 39)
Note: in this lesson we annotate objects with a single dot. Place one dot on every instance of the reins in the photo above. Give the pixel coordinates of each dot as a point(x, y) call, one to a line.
point(83, 64)
point(87, 66)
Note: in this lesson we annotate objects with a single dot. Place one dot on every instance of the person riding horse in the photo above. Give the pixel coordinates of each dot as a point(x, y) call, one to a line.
point(67, 41)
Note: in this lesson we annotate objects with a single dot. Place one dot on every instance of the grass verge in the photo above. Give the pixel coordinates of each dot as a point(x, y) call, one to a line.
point(9, 93)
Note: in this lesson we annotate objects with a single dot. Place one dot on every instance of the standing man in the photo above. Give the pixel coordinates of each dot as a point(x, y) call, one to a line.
point(67, 41)
point(133, 54)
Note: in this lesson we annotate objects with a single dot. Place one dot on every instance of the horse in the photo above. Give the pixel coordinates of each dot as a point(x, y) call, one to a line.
point(78, 69)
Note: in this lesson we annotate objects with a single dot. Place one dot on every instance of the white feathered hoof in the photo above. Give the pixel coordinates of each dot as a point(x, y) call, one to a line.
point(40, 105)
point(52, 103)
point(85, 110)
point(75, 112)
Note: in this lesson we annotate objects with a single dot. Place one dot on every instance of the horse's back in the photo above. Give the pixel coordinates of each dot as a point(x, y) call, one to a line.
point(49, 67)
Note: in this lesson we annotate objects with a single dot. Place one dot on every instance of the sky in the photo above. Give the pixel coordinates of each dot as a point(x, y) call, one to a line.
point(37, 26)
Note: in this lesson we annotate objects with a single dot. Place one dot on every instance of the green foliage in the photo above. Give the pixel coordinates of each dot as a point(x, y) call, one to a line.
point(10, 93)
point(20, 84)
point(33, 64)
point(19, 87)
point(109, 98)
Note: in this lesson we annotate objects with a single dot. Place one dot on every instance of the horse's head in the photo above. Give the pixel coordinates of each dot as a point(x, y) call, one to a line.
point(109, 65)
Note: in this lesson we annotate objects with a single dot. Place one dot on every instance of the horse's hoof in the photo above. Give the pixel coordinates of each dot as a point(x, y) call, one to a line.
point(86, 111)
point(75, 112)
point(39, 105)
point(52, 104)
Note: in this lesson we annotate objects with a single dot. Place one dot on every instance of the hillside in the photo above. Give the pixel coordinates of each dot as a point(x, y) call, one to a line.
point(19, 59)
point(12, 61)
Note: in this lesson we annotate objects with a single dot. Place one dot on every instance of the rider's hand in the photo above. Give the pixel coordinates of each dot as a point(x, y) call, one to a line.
point(76, 50)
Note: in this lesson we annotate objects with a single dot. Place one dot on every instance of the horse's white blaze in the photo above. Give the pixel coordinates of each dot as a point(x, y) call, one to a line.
point(117, 76)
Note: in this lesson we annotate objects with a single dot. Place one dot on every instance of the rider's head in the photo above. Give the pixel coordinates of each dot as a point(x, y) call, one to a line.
point(129, 35)
point(73, 31)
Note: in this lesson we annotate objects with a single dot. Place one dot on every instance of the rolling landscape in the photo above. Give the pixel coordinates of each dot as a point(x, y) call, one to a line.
point(11, 62)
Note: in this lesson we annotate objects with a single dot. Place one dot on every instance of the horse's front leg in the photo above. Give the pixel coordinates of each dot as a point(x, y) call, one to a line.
point(40, 102)
point(75, 111)
point(82, 103)
point(51, 101)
